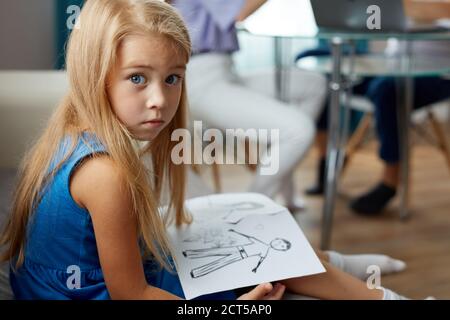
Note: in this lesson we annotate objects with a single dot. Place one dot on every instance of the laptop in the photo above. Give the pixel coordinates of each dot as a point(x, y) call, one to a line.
point(352, 15)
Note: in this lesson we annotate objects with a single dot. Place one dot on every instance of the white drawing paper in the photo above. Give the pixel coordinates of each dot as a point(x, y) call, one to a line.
point(239, 240)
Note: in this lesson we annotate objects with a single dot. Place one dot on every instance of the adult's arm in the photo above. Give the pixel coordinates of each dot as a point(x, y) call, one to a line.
point(227, 12)
point(249, 8)
point(428, 10)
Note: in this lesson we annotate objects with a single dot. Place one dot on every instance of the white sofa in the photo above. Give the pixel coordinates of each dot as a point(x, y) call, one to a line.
point(27, 99)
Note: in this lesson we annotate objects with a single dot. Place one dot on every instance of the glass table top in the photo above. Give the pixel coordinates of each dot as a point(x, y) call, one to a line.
point(295, 19)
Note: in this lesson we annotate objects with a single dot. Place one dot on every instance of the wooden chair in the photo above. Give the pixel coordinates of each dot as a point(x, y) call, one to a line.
point(357, 139)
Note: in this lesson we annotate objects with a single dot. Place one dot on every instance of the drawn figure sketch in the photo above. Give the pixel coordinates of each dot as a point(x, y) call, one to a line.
point(231, 254)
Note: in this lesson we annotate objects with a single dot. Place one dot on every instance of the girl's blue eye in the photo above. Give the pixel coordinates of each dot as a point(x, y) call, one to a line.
point(138, 79)
point(173, 79)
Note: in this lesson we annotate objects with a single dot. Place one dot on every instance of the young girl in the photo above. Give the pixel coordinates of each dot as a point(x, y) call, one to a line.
point(85, 222)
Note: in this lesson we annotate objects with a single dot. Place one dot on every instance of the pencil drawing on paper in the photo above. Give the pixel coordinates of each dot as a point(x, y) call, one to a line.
point(254, 247)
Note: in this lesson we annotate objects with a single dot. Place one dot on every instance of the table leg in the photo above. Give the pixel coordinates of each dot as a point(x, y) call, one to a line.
point(405, 101)
point(281, 71)
point(405, 89)
point(278, 60)
point(333, 144)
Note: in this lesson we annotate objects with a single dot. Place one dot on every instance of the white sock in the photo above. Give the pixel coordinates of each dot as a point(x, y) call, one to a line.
point(357, 264)
point(391, 295)
point(295, 204)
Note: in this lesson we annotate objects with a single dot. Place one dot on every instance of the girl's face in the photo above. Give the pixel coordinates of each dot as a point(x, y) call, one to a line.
point(145, 87)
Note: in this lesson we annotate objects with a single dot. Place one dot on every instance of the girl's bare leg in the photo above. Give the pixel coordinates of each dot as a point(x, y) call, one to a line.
point(322, 255)
point(334, 284)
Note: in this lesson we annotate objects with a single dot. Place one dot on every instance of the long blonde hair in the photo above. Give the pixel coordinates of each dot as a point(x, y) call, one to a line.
point(91, 54)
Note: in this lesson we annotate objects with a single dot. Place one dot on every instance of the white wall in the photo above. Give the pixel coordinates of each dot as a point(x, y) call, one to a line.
point(27, 34)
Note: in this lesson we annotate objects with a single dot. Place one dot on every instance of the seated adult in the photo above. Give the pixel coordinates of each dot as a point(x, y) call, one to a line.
point(224, 100)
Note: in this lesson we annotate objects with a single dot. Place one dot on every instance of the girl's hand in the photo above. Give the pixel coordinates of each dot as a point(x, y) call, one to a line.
point(265, 291)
